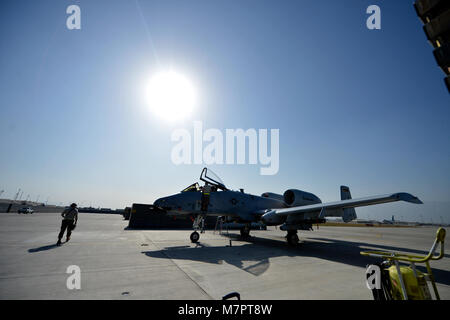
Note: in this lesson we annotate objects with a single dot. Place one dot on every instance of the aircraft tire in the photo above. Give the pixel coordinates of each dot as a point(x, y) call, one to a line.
point(195, 236)
point(292, 239)
point(245, 232)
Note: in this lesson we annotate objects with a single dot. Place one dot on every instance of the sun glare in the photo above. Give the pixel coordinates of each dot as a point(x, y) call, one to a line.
point(171, 96)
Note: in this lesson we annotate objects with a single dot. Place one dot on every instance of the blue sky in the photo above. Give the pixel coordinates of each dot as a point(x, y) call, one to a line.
point(365, 108)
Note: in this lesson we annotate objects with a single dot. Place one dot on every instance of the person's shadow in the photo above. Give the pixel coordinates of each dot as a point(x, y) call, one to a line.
point(43, 248)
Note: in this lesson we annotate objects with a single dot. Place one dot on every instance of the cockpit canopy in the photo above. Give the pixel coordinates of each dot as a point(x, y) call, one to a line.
point(192, 188)
point(209, 177)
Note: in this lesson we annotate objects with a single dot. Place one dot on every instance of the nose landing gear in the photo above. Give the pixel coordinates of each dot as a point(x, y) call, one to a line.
point(195, 236)
point(199, 224)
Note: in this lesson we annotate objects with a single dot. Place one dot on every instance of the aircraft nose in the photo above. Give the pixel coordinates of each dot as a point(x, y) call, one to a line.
point(159, 202)
point(162, 203)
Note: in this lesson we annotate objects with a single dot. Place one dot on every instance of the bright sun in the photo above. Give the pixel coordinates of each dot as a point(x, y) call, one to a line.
point(171, 96)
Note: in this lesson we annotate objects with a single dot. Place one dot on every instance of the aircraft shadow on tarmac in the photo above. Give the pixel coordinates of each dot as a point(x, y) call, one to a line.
point(339, 251)
point(235, 255)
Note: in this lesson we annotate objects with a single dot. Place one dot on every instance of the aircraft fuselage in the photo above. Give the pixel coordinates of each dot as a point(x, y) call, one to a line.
point(240, 205)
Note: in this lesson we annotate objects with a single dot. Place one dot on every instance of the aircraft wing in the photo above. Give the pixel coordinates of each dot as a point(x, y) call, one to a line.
point(331, 208)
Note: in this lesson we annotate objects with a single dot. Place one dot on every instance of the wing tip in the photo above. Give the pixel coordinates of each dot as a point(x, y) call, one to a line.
point(408, 198)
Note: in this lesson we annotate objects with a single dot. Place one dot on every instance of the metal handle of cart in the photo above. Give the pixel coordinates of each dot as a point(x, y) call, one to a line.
point(413, 259)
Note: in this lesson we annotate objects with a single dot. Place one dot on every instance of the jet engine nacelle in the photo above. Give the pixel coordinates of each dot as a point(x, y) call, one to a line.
point(272, 196)
point(295, 198)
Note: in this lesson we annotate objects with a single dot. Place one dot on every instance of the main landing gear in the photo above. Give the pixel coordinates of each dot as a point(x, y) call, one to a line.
point(292, 237)
point(245, 231)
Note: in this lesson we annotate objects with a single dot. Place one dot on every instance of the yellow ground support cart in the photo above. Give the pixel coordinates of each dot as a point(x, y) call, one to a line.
point(412, 284)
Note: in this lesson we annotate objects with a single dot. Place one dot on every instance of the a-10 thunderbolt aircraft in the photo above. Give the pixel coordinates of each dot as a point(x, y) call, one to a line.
point(294, 210)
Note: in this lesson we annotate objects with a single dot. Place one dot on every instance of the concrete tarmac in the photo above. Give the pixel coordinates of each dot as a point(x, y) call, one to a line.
point(116, 263)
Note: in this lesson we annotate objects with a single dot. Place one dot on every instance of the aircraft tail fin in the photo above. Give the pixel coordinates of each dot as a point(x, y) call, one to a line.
point(348, 214)
point(345, 193)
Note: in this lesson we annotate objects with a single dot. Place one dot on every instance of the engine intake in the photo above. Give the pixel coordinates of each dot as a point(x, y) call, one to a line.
point(294, 198)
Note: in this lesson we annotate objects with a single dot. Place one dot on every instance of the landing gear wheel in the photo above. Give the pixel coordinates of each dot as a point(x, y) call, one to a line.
point(195, 237)
point(245, 232)
point(292, 238)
